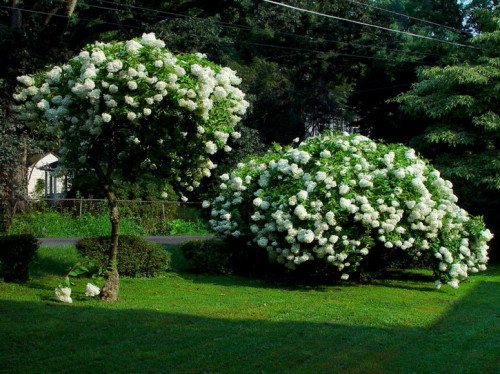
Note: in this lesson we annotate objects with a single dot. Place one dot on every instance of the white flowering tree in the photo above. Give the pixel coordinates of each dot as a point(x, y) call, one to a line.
point(334, 197)
point(128, 108)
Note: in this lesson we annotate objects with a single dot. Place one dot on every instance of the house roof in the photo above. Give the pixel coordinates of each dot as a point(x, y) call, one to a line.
point(51, 166)
point(33, 159)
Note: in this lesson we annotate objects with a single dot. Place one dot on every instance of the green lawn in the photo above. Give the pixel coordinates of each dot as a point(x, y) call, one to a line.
point(185, 323)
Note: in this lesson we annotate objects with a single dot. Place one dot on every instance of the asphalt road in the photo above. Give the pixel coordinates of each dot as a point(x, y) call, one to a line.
point(52, 242)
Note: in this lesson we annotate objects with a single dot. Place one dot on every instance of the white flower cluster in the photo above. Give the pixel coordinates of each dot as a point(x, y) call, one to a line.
point(332, 198)
point(63, 294)
point(92, 290)
point(142, 96)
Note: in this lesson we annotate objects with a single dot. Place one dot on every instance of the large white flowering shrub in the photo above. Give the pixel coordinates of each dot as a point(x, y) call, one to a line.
point(134, 106)
point(333, 198)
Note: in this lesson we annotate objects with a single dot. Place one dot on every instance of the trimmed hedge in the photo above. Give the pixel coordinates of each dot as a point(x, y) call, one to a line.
point(136, 256)
point(16, 254)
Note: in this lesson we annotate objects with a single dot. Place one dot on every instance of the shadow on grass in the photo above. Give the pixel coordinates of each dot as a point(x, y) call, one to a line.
point(53, 338)
point(408, 280)
point(177, 260)
point(54, 260)
point(282, 280)
point(49, 266)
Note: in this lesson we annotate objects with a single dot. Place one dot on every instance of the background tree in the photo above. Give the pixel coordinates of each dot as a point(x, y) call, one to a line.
point(16, 140)
point(460, 103)
point(126, 109)
point(382, 80)
point(12, 167)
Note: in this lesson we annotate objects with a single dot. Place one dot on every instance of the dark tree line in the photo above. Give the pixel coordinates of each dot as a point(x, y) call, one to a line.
point(302, 72)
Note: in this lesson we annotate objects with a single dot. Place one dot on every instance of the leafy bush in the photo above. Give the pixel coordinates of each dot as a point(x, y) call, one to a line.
point(136, 219)
point(16, 254)
point(208, 255)
point(54, 225)
point(335, 197)
point(182, 227)
point(136, 256)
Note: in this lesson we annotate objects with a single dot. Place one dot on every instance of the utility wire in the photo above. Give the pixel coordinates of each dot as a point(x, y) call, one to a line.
point(405, 15)
point(66, 16)
point(236, 43)
point(369, 24)
point(249, 28)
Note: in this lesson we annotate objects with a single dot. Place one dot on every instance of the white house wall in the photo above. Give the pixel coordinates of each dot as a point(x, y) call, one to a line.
point(35, 173)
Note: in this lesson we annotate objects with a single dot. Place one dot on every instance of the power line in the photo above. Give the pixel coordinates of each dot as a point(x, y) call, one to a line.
point(404, 15)
point(136, 7)
point(249, 28)
point(368, 24)
point(238, 42)
point(66, 16)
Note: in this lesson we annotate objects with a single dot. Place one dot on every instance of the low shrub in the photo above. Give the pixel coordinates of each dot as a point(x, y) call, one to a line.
point(16, 254)
point(208, 256)
point(136, 256)
point(184, 227)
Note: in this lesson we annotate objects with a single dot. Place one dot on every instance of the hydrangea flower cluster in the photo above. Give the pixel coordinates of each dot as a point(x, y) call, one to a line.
point(334, 197)
point(63, 294)
point(92, 290)
point(134, 96)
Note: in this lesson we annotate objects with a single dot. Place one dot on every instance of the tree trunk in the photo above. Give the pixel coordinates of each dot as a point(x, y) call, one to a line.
point(70, 7)
point(15, 15)
point(17, 191)
point(110, 289)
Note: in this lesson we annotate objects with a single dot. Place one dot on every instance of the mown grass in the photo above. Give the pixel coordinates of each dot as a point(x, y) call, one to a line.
point(185, 323)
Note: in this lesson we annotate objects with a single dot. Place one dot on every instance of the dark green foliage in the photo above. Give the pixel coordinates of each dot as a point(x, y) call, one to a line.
point(147, 187)
point(14, 140)
point(136, 256)
point(382, 258)
point(248, 260)
point(16, 254)
point(208, 256)
point(233, 255)
point(459, 106)
point(254, 261)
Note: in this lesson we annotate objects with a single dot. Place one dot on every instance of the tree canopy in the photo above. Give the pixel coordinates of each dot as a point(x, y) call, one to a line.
point(459, 103)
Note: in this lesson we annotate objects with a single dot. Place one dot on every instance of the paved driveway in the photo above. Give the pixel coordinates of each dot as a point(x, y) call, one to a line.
point(52, 242)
